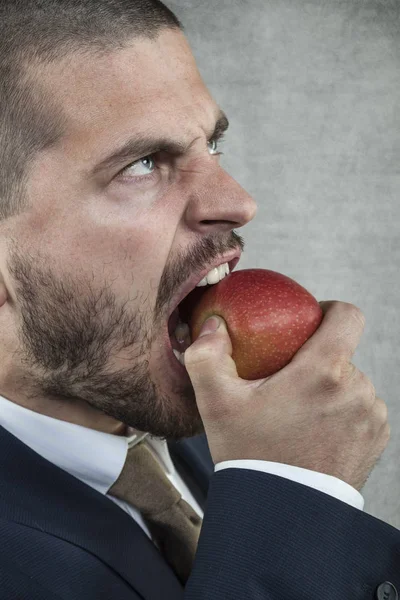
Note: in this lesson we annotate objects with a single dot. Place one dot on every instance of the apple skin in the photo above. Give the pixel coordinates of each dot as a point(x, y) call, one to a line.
point(268, 315)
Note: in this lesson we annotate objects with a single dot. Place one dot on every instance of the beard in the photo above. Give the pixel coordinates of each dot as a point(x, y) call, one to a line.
point(79, 342)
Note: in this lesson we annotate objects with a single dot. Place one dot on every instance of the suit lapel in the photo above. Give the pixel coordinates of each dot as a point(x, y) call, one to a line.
point(36, 493)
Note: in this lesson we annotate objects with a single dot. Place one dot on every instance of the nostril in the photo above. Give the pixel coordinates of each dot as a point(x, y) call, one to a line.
point(229, 224)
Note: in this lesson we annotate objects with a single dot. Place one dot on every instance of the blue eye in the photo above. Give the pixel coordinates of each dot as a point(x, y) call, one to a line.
point(213, 146)
point(146, 167)
point(143, 166)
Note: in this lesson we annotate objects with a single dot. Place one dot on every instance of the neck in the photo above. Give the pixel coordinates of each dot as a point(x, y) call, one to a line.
point(73, 411)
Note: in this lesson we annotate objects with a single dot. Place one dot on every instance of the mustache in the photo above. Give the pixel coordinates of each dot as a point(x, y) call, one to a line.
point(206, 250)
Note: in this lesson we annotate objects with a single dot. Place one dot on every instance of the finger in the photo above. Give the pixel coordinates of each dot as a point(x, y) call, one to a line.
point(338, 335)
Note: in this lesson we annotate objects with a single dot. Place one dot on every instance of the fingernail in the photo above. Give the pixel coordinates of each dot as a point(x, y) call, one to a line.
point(210, 326)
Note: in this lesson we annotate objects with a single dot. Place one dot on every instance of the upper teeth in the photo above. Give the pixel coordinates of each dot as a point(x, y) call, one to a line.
point(215, 275)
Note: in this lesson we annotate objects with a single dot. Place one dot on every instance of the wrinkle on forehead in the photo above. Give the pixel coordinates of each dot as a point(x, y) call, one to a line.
point(146, 87)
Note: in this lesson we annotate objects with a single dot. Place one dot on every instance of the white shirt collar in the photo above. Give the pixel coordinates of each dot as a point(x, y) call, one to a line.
point(94, 457)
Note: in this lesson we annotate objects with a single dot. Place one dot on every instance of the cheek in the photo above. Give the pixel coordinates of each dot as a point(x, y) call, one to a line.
point(118, 243)
point(131, 257)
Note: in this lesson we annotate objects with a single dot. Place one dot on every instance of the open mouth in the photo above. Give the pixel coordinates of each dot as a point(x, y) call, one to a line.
point(178, 328)
point(181, 313)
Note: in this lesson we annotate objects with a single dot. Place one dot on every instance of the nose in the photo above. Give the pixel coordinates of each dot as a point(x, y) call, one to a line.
point(218, 202)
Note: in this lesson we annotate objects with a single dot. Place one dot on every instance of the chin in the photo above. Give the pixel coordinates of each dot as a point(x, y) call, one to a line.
point(176, 416)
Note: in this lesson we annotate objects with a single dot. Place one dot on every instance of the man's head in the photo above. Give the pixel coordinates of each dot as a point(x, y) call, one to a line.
point(92, 250)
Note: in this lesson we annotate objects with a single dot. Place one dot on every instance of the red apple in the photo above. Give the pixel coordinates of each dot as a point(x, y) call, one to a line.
point(268, 315)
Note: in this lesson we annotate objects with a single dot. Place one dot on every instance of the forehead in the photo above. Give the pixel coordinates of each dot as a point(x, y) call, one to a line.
point(150, 86)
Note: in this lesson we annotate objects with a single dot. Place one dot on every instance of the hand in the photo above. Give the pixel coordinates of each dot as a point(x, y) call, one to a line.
point(319, 412)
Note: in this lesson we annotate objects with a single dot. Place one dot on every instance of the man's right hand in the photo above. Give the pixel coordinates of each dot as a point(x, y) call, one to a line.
point(319, 412)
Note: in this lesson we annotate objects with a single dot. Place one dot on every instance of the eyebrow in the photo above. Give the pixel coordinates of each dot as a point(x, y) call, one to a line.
point(145, 146)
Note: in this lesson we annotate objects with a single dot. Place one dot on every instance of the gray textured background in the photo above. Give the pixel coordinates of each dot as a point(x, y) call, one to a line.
point(312, 90)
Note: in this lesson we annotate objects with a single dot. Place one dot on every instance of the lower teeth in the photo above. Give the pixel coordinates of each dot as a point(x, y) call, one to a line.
point(180, 356)
point(182, 336)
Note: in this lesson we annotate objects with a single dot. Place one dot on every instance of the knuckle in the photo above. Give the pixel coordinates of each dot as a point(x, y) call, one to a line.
point(368, 390)
point(383, 438)
point(381, 411)
point(328, 374)
point(386, 433)
point(332, 374)
point(356, 313)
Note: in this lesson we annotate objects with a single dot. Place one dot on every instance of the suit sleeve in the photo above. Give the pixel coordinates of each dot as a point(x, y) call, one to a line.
point(265, 537)
point(320, 481)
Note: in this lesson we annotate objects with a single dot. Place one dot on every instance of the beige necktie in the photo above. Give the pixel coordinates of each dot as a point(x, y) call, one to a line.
point(174, 525)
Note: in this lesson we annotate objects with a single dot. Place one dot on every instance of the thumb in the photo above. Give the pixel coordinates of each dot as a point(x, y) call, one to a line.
point(209, 362)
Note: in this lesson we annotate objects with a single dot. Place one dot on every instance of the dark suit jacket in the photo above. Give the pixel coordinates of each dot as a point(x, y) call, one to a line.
point(263, 538)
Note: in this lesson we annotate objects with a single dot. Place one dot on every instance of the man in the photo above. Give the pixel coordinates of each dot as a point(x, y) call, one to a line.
point(114, 207)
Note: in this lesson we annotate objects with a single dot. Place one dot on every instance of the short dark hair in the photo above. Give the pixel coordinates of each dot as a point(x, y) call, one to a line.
point(36, 32)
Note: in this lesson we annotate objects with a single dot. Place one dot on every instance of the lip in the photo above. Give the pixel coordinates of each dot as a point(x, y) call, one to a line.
point(232, 259)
